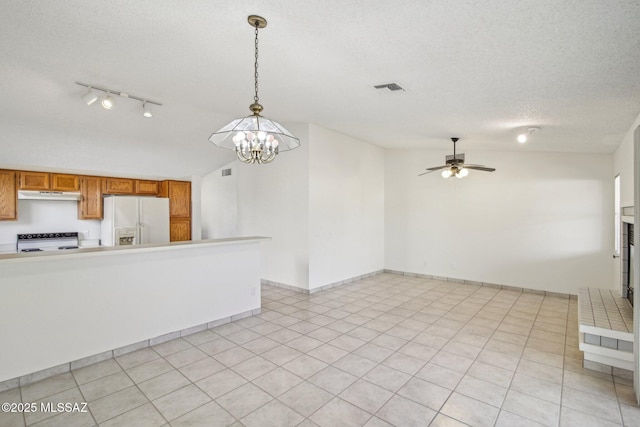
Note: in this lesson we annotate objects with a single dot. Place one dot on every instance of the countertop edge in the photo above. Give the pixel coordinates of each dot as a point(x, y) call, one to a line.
point(118, 250)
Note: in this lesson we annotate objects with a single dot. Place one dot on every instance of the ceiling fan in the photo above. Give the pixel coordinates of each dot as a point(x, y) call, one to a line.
point(455, 165)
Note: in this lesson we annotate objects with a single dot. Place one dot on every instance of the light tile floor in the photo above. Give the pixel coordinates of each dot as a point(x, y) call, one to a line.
point(386, 350)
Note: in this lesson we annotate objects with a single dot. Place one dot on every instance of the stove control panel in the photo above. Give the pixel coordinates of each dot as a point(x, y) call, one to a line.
point(32, 236)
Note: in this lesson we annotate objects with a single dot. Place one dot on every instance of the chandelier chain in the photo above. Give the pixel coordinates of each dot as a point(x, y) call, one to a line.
point(255, 66)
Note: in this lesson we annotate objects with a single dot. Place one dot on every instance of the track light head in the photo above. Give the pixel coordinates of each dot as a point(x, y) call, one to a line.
point(90, 97)
point(107, 102)
point(146, 109)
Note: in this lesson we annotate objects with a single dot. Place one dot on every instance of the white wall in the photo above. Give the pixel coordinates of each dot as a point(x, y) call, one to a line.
point(322, 204)
point(627, 164)
point(90, 303)
point(196, 207)
point(636, 277)
point(219, 198)
point(40, 216)
point(541, 221)
point(623, 165)
point(346, 207)
point(273, 201)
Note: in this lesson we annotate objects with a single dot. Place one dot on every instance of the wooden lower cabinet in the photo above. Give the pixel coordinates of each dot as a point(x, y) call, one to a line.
point(90, 205)
point(179, 194)
point(179, 230)
point(8, 195)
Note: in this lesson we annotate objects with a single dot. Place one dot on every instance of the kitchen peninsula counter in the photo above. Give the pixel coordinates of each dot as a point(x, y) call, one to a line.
point(118, 250)
point(63, 309)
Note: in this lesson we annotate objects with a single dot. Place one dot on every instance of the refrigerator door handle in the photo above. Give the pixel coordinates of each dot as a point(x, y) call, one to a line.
point(141, 238)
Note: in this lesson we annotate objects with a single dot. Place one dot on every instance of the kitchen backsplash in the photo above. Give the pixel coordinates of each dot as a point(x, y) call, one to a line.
point(47, 216)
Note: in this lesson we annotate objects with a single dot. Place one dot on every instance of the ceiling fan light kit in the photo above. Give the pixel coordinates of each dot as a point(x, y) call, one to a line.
point(455, 165)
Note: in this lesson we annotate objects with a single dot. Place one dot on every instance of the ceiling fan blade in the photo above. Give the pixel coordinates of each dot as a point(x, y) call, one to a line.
point(480, 168)
point(435, 168)
point(424, 173)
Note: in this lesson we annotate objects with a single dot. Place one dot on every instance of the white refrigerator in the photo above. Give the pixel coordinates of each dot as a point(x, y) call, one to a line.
point(130, 220)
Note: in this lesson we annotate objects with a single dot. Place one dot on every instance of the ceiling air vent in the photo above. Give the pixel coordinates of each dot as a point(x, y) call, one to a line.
point(391, 87)
point(226, 172)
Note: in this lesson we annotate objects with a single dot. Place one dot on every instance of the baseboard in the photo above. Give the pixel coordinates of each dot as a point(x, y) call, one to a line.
point(484, 284)
point(320, 288)
point(90, 360)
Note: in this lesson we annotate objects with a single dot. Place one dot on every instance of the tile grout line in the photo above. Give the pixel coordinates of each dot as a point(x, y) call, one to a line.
point(75, 380)
point(384, 297)
point(563, 363)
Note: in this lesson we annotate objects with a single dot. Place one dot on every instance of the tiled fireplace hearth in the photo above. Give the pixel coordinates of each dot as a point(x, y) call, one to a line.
point(606, 331)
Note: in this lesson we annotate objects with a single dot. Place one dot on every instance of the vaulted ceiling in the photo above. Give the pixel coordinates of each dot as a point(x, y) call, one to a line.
point(482, 71)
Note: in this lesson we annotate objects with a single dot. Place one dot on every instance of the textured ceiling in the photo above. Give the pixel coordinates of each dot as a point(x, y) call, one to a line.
point(483, 71)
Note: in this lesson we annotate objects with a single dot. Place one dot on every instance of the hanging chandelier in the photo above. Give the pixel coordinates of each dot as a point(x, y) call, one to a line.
point(254, 138)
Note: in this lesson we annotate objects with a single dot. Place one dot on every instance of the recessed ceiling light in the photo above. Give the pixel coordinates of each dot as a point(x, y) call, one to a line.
point(523, 137)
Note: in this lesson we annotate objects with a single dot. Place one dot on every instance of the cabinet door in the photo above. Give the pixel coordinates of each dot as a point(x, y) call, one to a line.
point(118, 186)
point(8, 195)
point(60, 182)
point(180, 230)
point(34, 181)
point(90, 206)
point(150, 188)
point(180, 199)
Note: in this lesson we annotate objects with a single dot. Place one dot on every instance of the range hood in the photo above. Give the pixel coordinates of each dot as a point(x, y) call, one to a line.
point(48, 195)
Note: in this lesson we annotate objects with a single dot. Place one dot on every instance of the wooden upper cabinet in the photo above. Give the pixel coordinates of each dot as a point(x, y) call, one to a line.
point(34, 180)
point(179, 194)
point(150, 188)
point(90, 205)
point(61, 182)
point(8, 195)
point(118, 186)
point(179, 199)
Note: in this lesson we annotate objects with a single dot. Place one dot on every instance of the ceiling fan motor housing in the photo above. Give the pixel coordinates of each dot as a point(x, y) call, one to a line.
point(454, 159)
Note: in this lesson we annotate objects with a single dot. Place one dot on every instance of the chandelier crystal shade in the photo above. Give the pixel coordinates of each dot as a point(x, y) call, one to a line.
point(255, 139)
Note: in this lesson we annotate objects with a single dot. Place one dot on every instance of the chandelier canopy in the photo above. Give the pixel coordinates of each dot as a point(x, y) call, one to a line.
point(254, 138)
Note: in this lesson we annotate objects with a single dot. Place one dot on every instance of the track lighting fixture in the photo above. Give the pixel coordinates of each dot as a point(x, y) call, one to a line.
point(146, 109)
point(90, 97)
point(107, 102)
